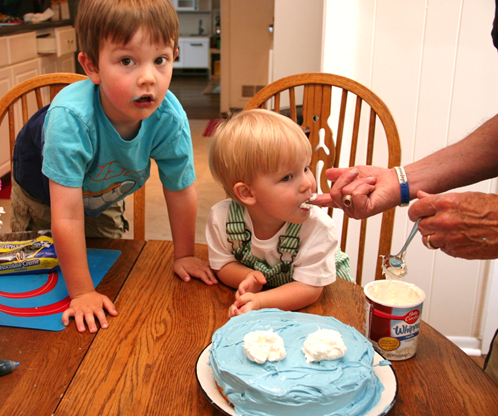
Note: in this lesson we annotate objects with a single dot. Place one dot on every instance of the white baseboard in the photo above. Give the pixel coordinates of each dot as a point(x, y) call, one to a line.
point(470, 345)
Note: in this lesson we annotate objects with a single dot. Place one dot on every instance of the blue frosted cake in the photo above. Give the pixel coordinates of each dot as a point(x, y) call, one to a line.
point(292, 386)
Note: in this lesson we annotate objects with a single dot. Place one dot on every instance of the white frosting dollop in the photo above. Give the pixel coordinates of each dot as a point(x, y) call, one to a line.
point(324, 344)
point(262, 346)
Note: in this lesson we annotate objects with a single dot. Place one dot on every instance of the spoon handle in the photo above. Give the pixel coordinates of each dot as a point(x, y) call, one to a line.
point(410, 237)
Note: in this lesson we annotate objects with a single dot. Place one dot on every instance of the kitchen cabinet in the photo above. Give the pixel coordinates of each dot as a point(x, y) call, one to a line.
point(58, 41)
point(184, 4)
point(193, 52)
point(9, 77)
point(192, 5)
point(5, 86)
point(25, 58)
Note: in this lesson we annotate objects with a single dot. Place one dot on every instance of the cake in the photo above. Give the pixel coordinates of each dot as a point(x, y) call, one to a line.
point(293, 386)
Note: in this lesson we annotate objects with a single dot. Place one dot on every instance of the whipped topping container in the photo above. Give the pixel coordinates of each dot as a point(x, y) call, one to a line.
point(394, 314)
point(393, 292)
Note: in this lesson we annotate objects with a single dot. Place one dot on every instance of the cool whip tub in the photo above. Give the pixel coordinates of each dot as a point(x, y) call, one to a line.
point(394, 311)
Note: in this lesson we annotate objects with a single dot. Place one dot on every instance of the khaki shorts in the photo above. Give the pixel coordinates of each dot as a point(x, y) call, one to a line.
point(28, 213)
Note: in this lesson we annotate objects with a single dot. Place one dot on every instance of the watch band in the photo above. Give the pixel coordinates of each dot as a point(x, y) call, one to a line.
point(403, 184)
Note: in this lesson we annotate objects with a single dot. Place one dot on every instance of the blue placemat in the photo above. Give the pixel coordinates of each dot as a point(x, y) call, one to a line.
point(37, 301)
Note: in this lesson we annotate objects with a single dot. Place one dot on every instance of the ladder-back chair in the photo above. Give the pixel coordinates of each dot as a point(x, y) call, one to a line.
point(36, 87)
point(331, 125)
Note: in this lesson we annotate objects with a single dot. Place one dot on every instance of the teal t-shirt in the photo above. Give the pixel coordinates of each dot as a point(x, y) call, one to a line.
point(81, 148)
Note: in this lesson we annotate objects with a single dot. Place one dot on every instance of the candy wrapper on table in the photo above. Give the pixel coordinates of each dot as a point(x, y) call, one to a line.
point(33, 255)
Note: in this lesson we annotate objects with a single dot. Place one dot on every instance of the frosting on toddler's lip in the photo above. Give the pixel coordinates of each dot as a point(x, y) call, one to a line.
point(306, 204)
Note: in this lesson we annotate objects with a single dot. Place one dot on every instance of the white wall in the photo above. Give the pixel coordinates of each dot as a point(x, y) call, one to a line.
point(434, 65)
point(298, 27)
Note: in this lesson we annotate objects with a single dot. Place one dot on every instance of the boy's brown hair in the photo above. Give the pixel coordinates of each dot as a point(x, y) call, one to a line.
point(118, 20)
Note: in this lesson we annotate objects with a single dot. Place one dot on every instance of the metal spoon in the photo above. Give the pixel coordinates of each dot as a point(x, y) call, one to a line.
point(395, 264)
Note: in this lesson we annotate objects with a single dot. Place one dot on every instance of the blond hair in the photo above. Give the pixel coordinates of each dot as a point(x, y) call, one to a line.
point(119, 20)
point(254, 142)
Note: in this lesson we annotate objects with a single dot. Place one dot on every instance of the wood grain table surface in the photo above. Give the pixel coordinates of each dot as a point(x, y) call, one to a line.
point(48, 360)
point(144, 364)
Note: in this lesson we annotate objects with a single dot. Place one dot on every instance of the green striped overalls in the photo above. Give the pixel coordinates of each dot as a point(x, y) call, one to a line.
point(240, 239)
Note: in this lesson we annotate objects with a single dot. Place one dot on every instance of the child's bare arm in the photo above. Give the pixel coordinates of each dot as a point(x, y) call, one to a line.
point(182, 213)
point(289, 297)
point(234, 274)
point(68, 230)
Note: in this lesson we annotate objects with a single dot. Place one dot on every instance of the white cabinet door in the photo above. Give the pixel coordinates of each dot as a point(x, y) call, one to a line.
point(67, 63)
point(5, 85)
point(49, 64)
point(196, 53)
point(21, 72)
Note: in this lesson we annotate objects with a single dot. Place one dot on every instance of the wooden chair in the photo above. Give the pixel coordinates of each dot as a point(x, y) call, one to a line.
point(351, 129)
point(35, 89)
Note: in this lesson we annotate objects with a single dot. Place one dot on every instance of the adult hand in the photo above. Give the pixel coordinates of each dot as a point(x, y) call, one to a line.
point(373, 190)
point(85, 308)
point(188, 267)
point(462, 225)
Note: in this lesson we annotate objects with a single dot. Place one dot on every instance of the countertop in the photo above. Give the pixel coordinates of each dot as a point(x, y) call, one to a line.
point(29, 27)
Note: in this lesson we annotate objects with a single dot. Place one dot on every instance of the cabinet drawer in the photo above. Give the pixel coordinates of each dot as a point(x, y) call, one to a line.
point(60, 41)
point(21, 47)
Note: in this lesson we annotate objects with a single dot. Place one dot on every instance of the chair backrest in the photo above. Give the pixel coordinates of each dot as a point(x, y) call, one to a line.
point(37, 87)
point(333, 126)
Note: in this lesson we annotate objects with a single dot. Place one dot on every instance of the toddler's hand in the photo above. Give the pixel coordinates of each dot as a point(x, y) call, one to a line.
point(85, 307)
point(253, 282)
point(188, 267)
point(245, 303)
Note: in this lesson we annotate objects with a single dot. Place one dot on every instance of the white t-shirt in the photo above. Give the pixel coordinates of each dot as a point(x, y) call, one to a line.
point(314, 263)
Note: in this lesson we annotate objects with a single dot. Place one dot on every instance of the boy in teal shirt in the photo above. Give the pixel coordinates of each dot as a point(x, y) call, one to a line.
point(95, 141)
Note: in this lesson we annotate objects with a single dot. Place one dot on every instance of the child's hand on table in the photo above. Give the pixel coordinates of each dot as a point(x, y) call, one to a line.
point(253, 282)
point(188, 267)
point(85, 308)
point(247, 302)
point(245, 298)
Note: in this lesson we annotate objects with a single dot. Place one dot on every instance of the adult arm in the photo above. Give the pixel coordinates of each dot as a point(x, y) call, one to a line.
point(375, 189)
point(68, 230)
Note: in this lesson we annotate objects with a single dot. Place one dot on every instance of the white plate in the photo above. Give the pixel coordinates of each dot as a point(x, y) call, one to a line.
point(205, 378)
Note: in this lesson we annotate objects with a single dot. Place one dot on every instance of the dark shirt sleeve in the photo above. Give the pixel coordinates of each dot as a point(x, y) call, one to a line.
point(27, 161)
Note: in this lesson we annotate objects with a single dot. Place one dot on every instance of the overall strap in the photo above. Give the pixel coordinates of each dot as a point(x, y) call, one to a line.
point(240, 238)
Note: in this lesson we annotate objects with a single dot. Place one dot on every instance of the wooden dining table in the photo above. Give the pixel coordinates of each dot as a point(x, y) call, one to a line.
point(145, 362)
point(48, 360)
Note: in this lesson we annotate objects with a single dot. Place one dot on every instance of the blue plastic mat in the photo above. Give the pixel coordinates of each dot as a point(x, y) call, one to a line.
point(37, 301)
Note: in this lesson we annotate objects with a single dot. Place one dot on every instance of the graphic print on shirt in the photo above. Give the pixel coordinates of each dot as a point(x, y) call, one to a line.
point(96, 202)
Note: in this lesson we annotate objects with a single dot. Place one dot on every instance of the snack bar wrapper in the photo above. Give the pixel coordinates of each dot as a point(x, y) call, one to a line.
point(29, 256)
